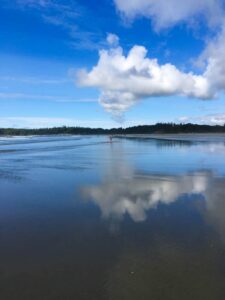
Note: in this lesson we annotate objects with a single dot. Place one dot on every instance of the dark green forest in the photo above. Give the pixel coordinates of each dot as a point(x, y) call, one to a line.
point(142, 129)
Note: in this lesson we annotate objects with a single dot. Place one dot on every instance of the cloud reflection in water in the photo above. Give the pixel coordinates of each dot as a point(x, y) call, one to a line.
point(126, 192)
point(136, 195)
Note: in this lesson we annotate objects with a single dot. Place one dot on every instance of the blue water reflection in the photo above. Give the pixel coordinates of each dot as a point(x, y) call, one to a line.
point(138, 218)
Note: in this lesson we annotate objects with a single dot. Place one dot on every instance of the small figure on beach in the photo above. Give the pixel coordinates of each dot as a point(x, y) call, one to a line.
point(110, 138)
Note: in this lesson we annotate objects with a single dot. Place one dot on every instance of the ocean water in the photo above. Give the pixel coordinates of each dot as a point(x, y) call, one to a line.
point(82, 218)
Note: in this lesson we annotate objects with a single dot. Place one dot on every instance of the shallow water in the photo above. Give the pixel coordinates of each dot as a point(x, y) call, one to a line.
point(82, 218)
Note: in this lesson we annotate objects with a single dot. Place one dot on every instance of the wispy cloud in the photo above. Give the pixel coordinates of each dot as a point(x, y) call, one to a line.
point(43, 122)
point(14, 96)
point(34, 80)
point(210, 119)
point(35, 122)
point(70, 17)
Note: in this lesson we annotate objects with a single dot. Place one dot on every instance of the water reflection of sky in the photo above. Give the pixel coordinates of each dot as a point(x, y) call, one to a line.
point(136, 195)
point(82, 218)
point(124, 191)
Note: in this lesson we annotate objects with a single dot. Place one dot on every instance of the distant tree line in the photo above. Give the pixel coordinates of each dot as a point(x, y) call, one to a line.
point(142, 129)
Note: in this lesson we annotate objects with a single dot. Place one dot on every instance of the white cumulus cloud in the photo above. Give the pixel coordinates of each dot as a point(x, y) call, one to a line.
point(126, 79)
point(215, 61)
point(166, 13)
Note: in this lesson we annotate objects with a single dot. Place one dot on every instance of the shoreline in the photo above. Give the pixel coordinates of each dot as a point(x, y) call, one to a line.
point(185, 137)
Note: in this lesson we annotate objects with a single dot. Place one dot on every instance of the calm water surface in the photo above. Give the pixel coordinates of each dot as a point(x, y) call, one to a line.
point(85, 219)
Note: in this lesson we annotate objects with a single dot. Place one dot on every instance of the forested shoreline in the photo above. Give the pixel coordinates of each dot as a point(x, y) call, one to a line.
point(142, 129)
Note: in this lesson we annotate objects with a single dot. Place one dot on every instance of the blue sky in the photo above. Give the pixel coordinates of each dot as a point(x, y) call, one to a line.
point(46, 43)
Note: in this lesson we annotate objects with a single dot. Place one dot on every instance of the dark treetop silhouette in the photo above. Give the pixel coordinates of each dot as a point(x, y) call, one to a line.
point(141, 129)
